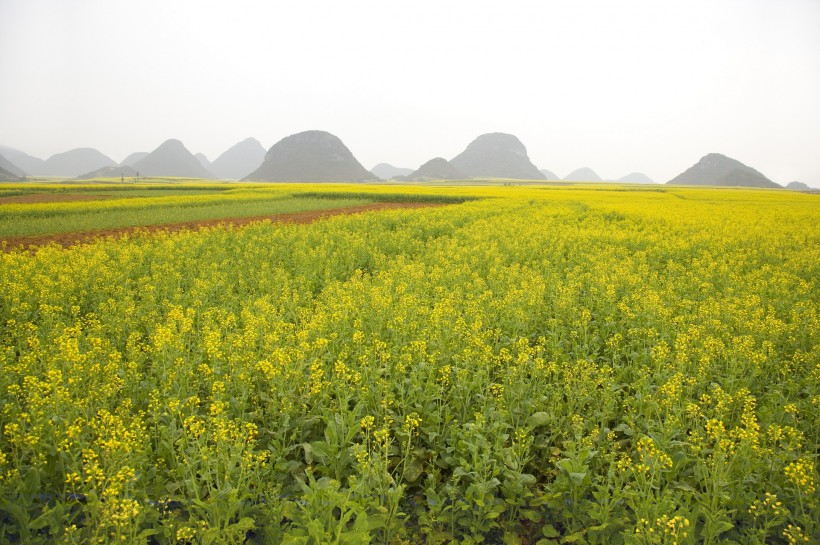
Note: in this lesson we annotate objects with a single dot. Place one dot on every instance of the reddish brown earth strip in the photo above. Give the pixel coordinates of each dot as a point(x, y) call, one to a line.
point(310, 216)
point(52, 197)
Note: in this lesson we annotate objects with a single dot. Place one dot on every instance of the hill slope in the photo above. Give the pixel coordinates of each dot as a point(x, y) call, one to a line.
point(436, 169)
point(134, 157)
point(75, 162)
point(636, 178)
point(310, 156)
point(239, 160)
point(117, 171)
point(717, 169)
point(386, 171)
point(22, 160)
point(7, 176)
point(496, 155)
point(171, 158)
point(10, 167)
point(583, 174)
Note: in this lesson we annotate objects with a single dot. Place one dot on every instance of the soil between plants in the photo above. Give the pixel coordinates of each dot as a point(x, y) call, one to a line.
point(36, 198)
point(309, 216)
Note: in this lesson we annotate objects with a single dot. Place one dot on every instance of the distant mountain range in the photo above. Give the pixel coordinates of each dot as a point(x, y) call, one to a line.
point(496, 155)
point(387, 171)
point(117, 171)
point(636, 178)
point(171, 158)
point(239, 160)
point(203, 160)
point(8, 176)
point(717, 169)
point(11, 168)
point(321, 156)
point(22, 160)
point(438, 168)
point(75, 162)
point(134, 157)
point(310, 156)
point(583, 174)
point(798, 186)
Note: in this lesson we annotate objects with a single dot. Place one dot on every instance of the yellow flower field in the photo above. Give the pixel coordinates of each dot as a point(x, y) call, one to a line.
point(538, 365)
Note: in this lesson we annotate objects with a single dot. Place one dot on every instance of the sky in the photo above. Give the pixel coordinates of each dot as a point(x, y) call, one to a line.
point(646, 86)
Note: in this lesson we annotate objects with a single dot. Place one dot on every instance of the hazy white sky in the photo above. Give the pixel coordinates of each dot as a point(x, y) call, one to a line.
point(618, 86)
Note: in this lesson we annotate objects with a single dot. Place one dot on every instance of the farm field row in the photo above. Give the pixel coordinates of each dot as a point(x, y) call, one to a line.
point(543, 365)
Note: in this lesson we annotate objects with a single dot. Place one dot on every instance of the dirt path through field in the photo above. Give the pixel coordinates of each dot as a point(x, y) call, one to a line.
point(309, 216)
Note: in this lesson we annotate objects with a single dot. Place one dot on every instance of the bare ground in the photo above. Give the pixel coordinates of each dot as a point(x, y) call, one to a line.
point(52, 197)
point(310, 216)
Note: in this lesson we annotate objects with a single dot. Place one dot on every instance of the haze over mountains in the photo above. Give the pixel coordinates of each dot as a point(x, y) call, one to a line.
point(7, 176)
point(310, 156)
point(583, 174)
point(75, 162)
point(387, 171)
point(717, 169)
point(10, 167)
point(134, 157)
point(117, 171)
point(437, 168)
point(22, 160)
point(636, 178)
point(321, 156)
point(496, 155)
point(549, 175)
point(239, 160)
point(171, 158)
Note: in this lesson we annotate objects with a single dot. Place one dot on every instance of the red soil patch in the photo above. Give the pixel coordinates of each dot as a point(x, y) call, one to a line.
point(52, 197)
point(310, 216)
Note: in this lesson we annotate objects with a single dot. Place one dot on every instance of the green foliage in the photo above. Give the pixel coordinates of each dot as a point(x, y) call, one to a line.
point(546, 366)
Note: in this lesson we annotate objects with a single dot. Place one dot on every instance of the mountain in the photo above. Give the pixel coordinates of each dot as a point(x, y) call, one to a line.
point(203, 160)
point(717, 169)
point(583, 174)
point(388, 172)
point(636, 178)
point(239, 160)
point(117, 171)
point(171, 158)
point(549, 175)
point(134, 157)
point(7, 176)
point(23, 161)
point(798, 186)
point(11, 168)
point(436, 169)
point(496, 155)
point(310, 156)
point(75, 162)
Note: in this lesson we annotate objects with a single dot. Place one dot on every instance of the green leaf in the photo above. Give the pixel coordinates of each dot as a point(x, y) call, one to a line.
point(549, 531)
point(210, 536)
point(577, 478)
point(540, 418)
point(573, 538)
point(511, 539)
point(244, 525)
point(413, 471)
point(532, 515)
point(375, 522)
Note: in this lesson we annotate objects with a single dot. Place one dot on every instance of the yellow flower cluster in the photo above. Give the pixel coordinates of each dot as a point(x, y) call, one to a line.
point(536, 320)
point(801, 474)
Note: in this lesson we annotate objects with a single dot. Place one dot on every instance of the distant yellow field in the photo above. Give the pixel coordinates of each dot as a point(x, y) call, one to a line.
point(541, 364)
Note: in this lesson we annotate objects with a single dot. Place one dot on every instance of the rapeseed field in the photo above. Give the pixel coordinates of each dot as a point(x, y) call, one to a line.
point(538, 365)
